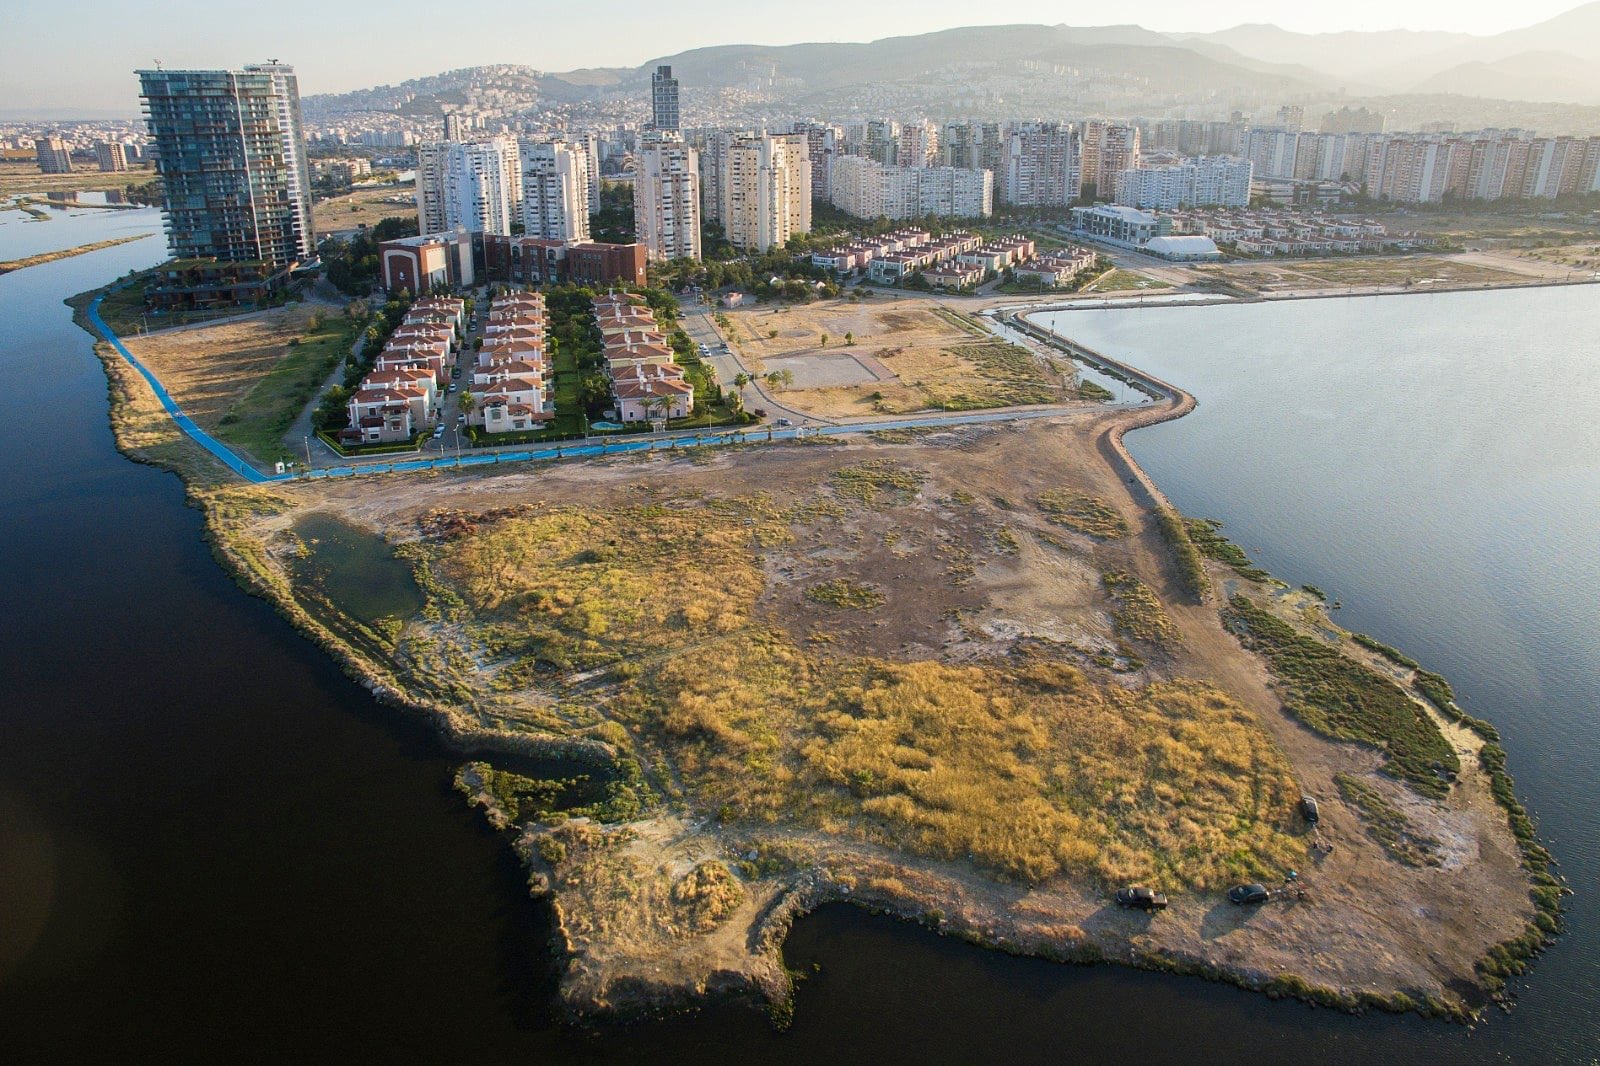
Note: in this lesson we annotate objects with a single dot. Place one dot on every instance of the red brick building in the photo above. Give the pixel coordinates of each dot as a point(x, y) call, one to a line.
point(601, 264)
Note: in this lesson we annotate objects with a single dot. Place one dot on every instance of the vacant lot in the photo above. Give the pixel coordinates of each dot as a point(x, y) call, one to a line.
point(246, 379)
point(1120, 280)
point(1425, 271)
point(17, 178)
point(948, 672)
point(905, 355)
point(363, 207)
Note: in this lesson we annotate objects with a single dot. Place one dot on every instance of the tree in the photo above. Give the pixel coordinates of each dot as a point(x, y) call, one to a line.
point(741, 379)
point(849, 338)
point(466, 402)
point(595, 390)
point(824, 340)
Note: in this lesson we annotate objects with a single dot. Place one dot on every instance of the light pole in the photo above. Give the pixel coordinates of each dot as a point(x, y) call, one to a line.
point(308, 453)
point(457, 431)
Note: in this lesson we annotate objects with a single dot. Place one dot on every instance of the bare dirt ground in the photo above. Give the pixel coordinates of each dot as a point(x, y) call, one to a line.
point(905, 354)
point(956, 590)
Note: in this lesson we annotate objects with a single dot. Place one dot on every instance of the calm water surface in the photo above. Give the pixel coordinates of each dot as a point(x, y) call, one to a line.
point(214, 845)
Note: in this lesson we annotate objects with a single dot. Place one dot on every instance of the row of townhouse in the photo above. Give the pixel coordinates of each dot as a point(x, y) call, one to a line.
point(399, 397)
point(646, 381)
point(916, 258)
point(971, 267)
point(1058, 267)
point(510, 385)
point(1289, 232)
point(858, 253)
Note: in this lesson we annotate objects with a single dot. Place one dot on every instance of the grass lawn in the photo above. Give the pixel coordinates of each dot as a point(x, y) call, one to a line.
point(1120, 280)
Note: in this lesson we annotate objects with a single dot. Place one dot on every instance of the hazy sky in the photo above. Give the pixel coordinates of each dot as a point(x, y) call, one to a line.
point(86, 59)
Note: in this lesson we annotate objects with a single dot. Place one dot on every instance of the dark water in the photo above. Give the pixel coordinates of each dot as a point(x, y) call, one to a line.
point(356, 568)
point(214, 846)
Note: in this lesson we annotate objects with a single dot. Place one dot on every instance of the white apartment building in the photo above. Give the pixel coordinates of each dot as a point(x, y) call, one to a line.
point(714, 146)
point(871, 190)
point(555, 191)
point(1273, 152)
point(666, 200)
point(1204, 182)
point(475, 186)
point(766, 198)
point(1041, 165)
point(918, 145)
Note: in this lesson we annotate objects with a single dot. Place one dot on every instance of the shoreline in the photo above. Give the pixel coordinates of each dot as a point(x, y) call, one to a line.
point(1206, 300)
point(253, 572)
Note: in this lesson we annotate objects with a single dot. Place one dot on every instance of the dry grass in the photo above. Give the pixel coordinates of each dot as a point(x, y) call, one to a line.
point(17, 178)
point(939, 359)
point(1079, 511)
point(877, 482)
point(1139, 615)
point(1025, 767)
point(245, 379)
point(363, 207)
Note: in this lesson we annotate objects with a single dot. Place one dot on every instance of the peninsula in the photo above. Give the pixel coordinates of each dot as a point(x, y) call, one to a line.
point(978, 676)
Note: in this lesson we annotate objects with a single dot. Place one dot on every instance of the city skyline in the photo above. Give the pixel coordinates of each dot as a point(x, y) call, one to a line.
point(37, 83)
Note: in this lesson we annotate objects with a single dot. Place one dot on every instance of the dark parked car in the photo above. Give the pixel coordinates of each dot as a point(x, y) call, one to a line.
point(1244, 895)
point(1308, 808)
point(1141, 899)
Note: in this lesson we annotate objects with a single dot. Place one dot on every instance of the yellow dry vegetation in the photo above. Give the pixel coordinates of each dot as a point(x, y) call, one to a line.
point(1024, 766)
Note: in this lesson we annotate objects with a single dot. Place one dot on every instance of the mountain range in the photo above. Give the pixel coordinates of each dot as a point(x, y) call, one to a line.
point(1556, 62)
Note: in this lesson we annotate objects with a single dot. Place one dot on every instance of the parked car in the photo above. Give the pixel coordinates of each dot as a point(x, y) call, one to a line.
point(438, 431)
point(784, 422)
point(1141, 899)
point(761, 412)
point(1308, 808)
point(1247, 895)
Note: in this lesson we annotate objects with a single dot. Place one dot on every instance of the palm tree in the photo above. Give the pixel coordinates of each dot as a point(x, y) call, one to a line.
point(659, 405)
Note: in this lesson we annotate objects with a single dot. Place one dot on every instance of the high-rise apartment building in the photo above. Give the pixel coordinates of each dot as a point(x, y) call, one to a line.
point(918, 145)
point(112, 156)
point(666, 200)
point(1108, 148)
point(475, 186)
point(230, 152)
point(555, 190)
point(824, 143)
point(878, 139)
point(972, 145)
point(53, 156)
point(712, 146)
point(766, 195)
point(1218, 182)
point(1040, 167)
point(664, 100)
point(867, 189)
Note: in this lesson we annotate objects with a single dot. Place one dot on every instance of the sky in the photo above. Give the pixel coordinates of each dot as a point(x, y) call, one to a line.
point(85, 62)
